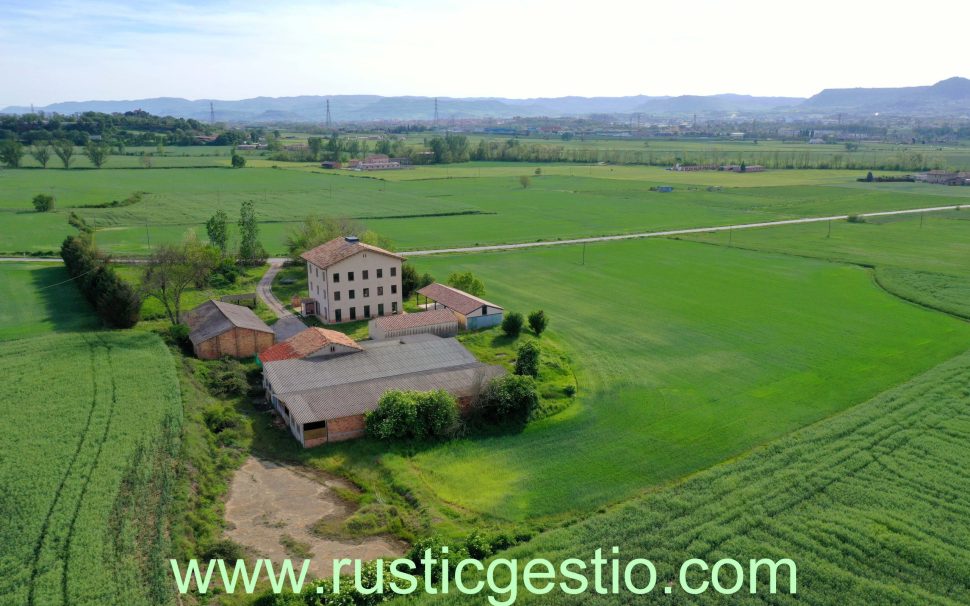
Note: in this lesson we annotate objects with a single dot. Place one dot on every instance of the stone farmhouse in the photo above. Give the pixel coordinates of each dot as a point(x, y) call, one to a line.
point(219, 329)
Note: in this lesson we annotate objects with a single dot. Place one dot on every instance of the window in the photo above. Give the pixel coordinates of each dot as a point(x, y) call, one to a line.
point(393, 307)
point(380, 272)
point(336, 277)
point(380, 309)
point(353, 313)
point(393, 271)
point(314, 425)
point(336, 315)
point(393, 289)
point(351, 294)
point(363, 275)
point(366, 292)
point(350, 276)
point(333, 348)
point(336, 295)
point(367, 311)
point(380, 291)
point(318, 271)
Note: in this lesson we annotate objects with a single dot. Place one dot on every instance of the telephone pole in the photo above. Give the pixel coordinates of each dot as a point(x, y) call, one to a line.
point(329, 121)
point(212, 113)
point(436, 113)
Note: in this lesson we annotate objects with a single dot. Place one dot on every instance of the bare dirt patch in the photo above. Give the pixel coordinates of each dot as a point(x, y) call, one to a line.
point(271, 508)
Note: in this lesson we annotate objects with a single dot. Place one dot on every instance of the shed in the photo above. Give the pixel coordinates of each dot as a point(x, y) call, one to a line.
point(441, 322)
point(218, 329)
point(472, 312)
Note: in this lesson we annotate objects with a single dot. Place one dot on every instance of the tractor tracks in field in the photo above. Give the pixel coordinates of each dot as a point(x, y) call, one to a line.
point(75, 461)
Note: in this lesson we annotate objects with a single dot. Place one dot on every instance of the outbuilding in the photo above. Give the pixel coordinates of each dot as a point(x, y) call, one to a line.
point(218, 329)
point(471, 312)
point(441, 322)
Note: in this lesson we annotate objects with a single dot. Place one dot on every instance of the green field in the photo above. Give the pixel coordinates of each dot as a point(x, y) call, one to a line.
point(90, 424)
point(871, 505)
point(37, 298)
point(430, 207)
point(686, 355)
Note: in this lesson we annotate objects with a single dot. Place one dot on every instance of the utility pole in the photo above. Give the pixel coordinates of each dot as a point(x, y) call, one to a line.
point(436, 113)
point(148, 236)
point(829, 235)
point(329, 120)
point(921, 220)
point(212, 113)
point(584, 254)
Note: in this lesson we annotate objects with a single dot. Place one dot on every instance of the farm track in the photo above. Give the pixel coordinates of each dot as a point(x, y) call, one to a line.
point(45, 528)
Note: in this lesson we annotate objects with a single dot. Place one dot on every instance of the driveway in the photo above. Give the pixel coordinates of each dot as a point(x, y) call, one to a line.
point(288, 324)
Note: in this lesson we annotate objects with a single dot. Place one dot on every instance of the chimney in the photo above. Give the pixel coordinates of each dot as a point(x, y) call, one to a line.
point(352, 239)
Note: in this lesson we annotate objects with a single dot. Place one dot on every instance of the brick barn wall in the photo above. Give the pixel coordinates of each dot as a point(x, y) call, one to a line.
point(345, 428)
point(237, 343)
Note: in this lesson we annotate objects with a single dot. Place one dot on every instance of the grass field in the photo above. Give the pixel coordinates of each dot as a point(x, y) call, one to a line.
point(431, 206)
point(89, 429)
point(871, 505)
point(686, 355)
point(36, 298)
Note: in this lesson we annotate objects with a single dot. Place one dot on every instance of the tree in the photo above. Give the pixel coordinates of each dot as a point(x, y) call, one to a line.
point(743, 168)
point(316, 146)
point(315, 230)
point(168, 273)
point(251, 252)
point(538, 321)
point(538, 171)
point(217, 227)
point(527, 359)
point(467, 282)
point(64, 150)
point(43, 203)
point(411, 281)
point(41, 152)
point(869, 177)
point(525, 181)
point(11, 152)
point(238, 161)
point(414, 415)
point(512, 324)
point(97, 153)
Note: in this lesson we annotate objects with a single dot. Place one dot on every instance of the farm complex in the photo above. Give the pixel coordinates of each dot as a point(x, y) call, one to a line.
point(373, 339)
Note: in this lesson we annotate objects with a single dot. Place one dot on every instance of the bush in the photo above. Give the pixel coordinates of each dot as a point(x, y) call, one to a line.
point(238, 161)
point(509, 398)
point(527, 359)
point(468, 282)
point(225, 549)
point(226, 378)
point(538, 321)
point(414, 415)
point(512, 324)
point(43, 203)
point(856, 219)
point(570, 391)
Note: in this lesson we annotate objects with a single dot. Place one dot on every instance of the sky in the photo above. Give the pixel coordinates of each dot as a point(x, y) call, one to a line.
point(73, 50)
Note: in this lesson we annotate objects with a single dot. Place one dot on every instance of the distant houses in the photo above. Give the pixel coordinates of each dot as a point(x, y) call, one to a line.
point(943, 177)
point(322, 386)
point(218, 329)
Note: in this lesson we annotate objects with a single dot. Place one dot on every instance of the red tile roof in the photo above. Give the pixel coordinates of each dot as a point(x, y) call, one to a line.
point(338, 249)
point(305, 343)
point(455, 299)
point(414, 320)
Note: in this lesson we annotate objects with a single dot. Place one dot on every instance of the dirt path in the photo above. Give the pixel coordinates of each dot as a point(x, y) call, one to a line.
point(268, 502)
point(288, 324)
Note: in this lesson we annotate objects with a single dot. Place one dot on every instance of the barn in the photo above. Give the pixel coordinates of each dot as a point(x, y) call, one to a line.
point(472, 312)
point(218, 329)
point(441, 322)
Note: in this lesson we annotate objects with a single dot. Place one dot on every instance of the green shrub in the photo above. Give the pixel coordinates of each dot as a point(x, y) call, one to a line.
point(509, 398)
point(43, 203)
point(224, 549)
point(569, 390)
point(856, 219)
point(527, 359)
point(414, 415)
point(512, 323)
point(538, 321)
point(227, 378)
point(238, 161)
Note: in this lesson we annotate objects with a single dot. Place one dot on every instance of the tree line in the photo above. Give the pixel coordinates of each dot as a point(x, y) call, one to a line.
point(113, 299)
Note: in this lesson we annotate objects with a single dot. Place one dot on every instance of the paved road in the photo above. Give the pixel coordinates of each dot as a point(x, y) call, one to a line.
point(277, 262)
point(288, 324)
point(676, 232)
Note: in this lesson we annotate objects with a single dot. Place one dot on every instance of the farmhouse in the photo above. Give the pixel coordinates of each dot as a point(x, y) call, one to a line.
point(350, 280)
point(219, 329)
point(323, 395)
point(439, 322)
point(943, 177)
point(472, 312)
point(378, 162)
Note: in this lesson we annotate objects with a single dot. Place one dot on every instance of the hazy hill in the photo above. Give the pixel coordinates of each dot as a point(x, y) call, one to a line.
point(949, 97)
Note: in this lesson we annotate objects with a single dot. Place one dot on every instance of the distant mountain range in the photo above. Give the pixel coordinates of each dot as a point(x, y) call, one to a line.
point(950, 98)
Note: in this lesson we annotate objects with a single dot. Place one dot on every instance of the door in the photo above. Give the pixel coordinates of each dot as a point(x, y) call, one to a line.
point(336, 315)
point(380, 309)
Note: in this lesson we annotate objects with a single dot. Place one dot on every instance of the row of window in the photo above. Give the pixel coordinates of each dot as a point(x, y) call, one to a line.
point(352, 294)
point(364, 275)
point(352, 312)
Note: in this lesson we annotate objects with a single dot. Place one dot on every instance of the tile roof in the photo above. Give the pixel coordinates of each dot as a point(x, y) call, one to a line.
point(414, 320)
point(305, 343)
point(455, 299)
point(327, 388)
point(213, 318)
point(338, 249)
